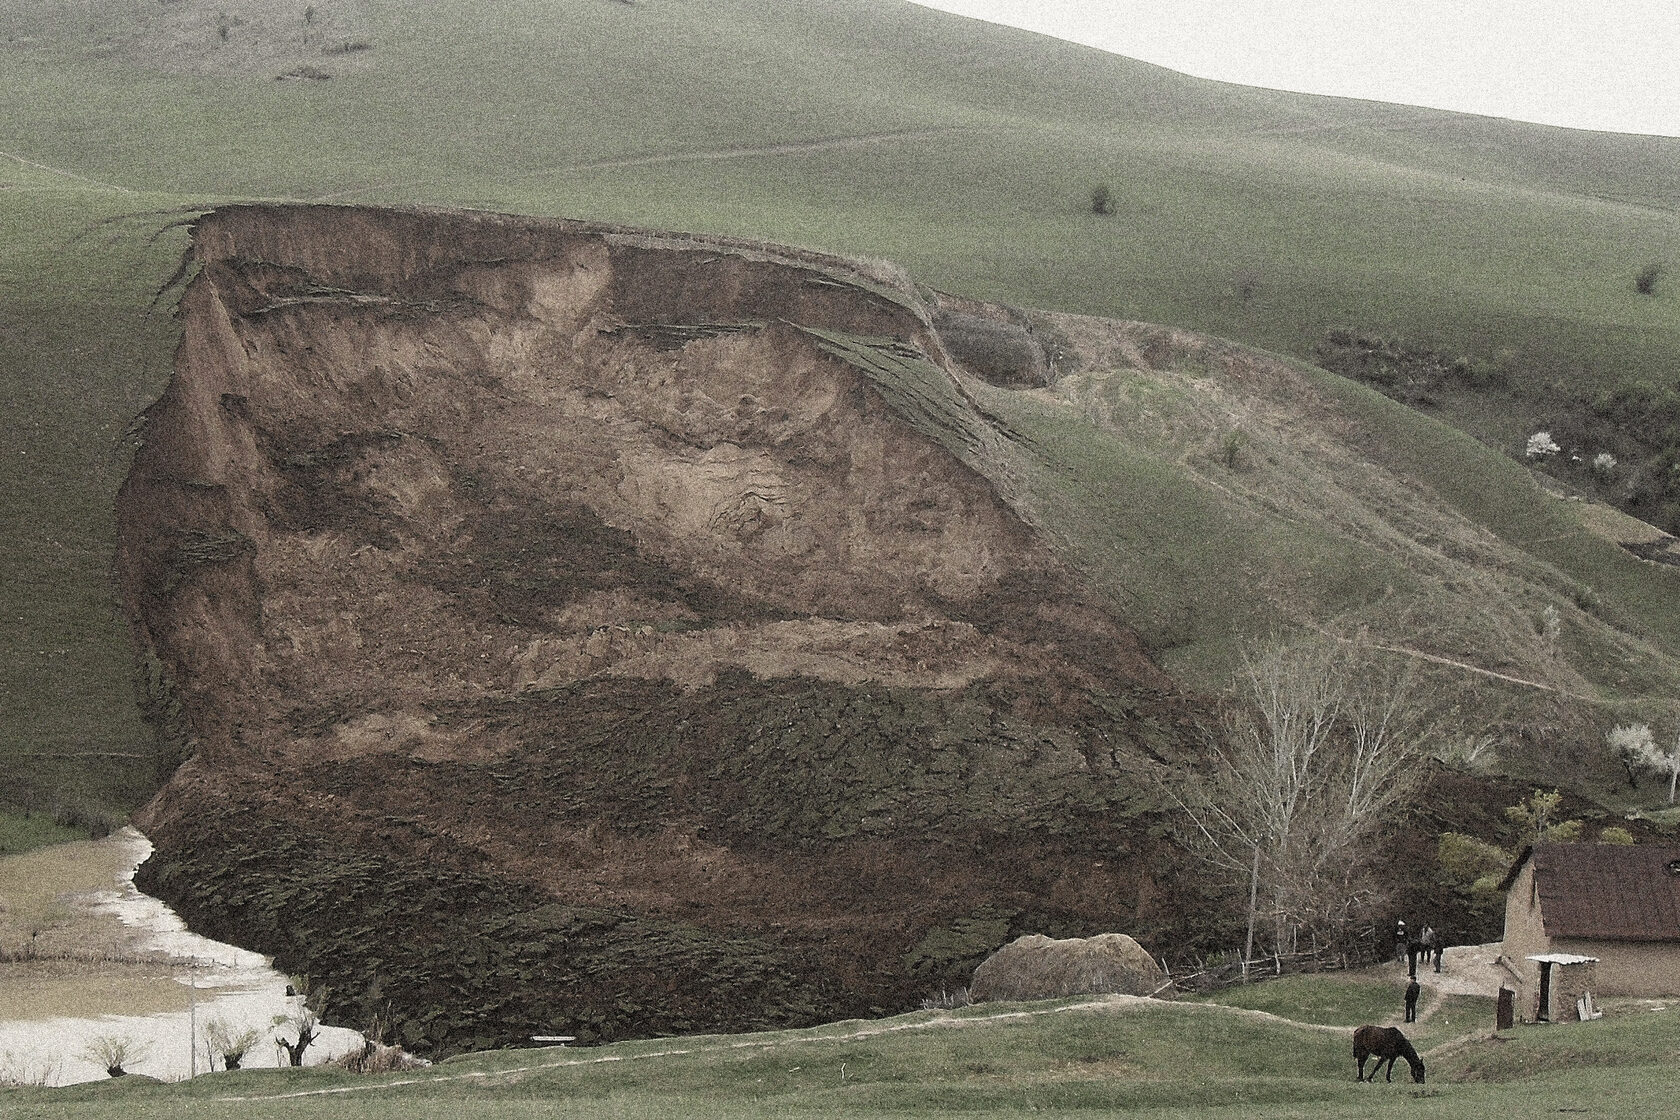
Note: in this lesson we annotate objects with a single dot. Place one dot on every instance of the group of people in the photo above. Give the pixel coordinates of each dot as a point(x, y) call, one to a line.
point(1428, 945)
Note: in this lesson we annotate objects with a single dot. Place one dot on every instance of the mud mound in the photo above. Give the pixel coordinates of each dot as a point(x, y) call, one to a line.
point(1039, 967)
point(643, 579)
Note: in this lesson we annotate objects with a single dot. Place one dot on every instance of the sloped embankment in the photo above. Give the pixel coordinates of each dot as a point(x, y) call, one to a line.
point(576, 630)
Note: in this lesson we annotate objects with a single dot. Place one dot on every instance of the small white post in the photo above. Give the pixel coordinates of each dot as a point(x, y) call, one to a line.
point(192, 1018)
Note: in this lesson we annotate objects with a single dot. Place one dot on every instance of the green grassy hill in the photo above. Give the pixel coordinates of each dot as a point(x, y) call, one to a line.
point(964, 151)
point(1073, 1058)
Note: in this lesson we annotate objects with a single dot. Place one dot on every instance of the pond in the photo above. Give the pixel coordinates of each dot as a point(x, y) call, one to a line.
point(104, 966)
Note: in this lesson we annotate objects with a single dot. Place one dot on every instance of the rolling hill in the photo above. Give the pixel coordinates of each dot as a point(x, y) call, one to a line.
point(1199, 491)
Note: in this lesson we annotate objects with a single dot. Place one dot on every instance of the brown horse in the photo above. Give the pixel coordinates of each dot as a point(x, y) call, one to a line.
point(1384, 1044)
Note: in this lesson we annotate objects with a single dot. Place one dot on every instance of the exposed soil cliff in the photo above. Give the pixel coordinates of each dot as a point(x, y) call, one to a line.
point(576, 630)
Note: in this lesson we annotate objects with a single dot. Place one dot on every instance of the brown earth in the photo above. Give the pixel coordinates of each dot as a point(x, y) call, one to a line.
point(592, 569)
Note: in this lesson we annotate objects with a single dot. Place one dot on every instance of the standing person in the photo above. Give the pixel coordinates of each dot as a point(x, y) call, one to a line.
point(1440, 950)
point(1400, 940)
point(1412, 990)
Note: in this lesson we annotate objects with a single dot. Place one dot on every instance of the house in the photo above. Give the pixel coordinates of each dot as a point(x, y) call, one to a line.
point(1602, 919)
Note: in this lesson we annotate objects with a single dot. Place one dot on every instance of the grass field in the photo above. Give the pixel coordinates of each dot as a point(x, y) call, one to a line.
point(964, 151)
point(1074, 1058)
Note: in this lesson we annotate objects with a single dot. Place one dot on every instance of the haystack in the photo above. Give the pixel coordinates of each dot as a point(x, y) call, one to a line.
point(1039, 967)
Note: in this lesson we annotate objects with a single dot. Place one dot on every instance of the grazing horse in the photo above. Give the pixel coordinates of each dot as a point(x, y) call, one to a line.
point(1384, 1044)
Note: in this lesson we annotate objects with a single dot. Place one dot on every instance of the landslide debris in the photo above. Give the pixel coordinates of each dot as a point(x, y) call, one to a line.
point(580, 630)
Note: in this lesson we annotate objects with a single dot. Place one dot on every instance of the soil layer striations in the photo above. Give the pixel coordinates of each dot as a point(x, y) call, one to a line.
point(576, 630)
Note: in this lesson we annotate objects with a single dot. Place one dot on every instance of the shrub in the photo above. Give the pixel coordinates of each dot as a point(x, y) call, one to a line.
point(1646, 282)
point(96, 824)
point(1614, 835)
point(1541, 445)
point(945, 1000)
point(1231, 448)
point(231, 1042)
point(1469, 860)
point(113, 1053)
point(1634, 747)
point(1102, 201)
point(1536, 820)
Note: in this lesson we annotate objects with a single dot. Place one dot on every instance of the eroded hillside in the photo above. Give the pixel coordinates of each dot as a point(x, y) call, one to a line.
point(572, 629)
point(629, 586)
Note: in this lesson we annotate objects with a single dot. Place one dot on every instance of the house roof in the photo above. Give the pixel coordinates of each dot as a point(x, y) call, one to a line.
point(1615, 892)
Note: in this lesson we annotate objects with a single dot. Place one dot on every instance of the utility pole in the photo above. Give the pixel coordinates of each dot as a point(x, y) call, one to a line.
point(192, 1018)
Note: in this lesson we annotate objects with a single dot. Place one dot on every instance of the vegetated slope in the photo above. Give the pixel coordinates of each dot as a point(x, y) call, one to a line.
point(575, 629)
point(965, 150)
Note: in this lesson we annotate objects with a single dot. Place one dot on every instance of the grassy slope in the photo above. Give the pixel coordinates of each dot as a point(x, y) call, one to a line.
point(1164, 1060)
point(1474, 232)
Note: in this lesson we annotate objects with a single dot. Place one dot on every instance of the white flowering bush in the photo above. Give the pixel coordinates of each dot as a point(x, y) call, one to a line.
point(1637, 749)
point(1540, 445)
point(1604, 464)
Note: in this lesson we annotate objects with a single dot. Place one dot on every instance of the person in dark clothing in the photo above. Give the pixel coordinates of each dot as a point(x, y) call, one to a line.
point(1400, 940)
point(1412, 990)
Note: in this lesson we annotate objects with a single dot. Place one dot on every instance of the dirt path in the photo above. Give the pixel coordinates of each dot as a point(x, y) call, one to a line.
point(832, 143)
point(691, 157)
point(94, 183)
point(1466, 970)
point(1110, 1004)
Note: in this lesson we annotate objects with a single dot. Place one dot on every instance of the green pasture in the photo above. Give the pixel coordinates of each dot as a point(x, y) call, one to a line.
point(1167, 1060)
point(964, 151)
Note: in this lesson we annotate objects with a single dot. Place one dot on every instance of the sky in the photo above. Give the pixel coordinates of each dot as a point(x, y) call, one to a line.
point(1609, 65)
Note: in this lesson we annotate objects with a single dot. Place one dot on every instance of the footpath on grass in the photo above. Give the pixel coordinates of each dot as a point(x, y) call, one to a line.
point(938, 1021)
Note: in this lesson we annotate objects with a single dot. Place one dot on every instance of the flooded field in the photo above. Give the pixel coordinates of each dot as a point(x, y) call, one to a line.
point(94, 967)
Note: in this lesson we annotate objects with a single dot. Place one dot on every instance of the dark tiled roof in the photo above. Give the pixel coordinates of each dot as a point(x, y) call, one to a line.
point(1610, 891)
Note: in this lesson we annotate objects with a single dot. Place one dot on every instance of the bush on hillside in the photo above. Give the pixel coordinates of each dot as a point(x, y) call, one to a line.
point(1410, 373)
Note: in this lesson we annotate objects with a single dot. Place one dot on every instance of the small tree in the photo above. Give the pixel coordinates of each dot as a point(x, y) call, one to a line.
point(303, 1021)
point(231, 1043)
point(114, 1053)
point(1633, 747)
point(1636, 748)
point(1536, 820)
point(1646, 282)
point(1102, 201)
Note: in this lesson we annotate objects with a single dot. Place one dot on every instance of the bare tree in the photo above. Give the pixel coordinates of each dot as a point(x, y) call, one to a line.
point(304, 1020)
point(1316, 759)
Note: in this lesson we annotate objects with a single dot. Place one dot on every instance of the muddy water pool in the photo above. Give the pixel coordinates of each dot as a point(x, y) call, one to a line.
point(179, 983)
